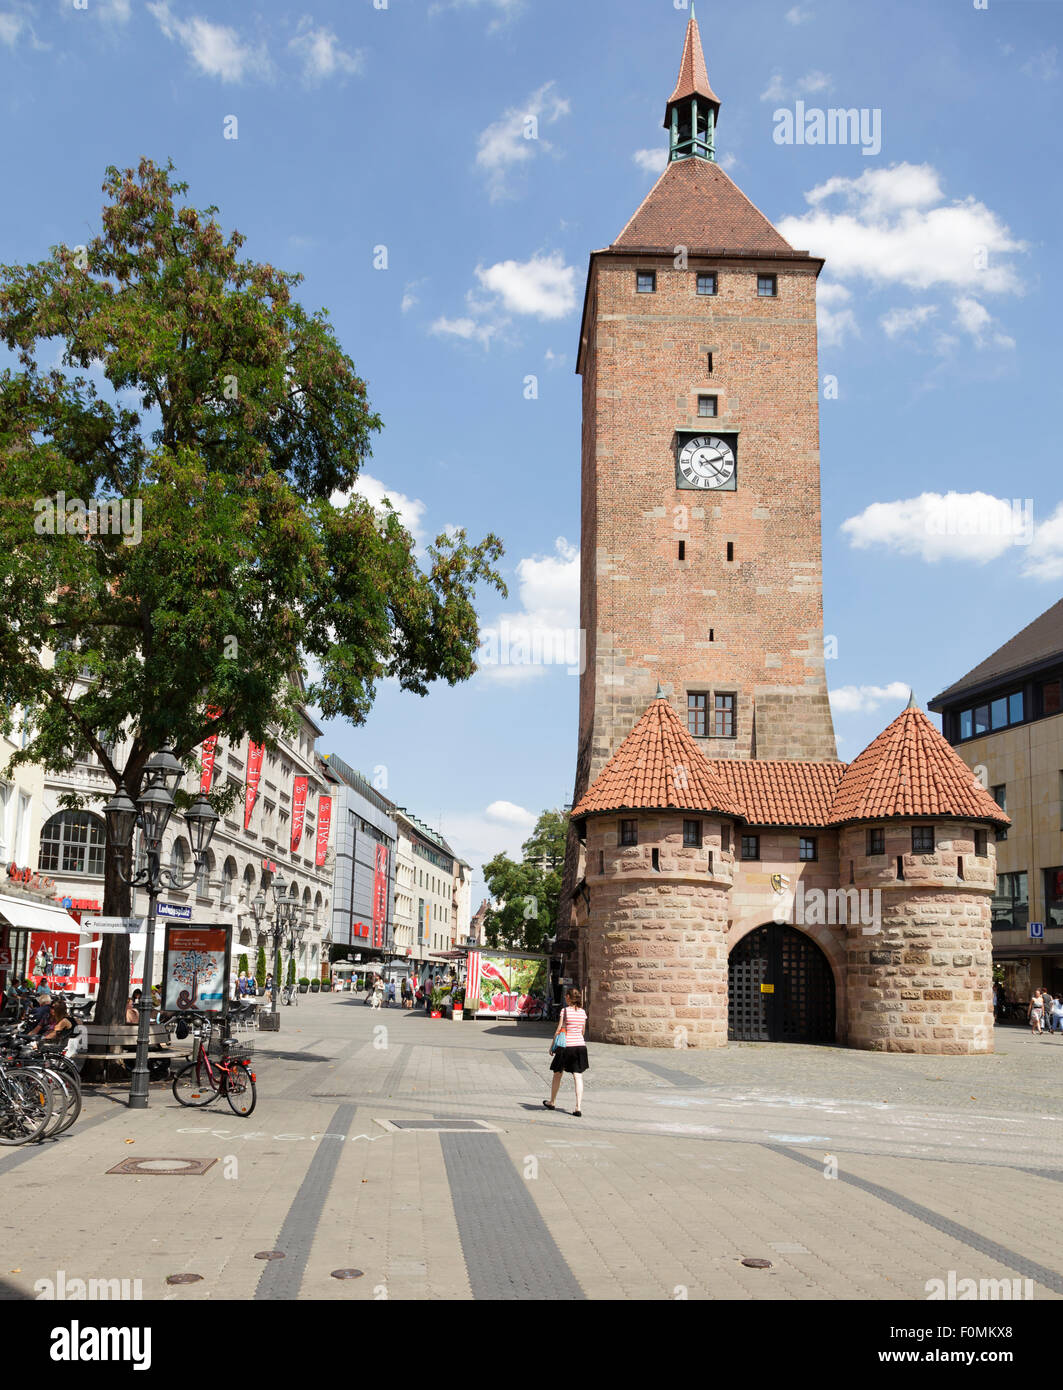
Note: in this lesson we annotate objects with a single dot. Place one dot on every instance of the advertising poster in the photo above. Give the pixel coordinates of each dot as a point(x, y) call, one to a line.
point(380, 894)
point(254, 773)
point(195, 968)
point(511, 986)
point(324, 823)
point(210, 745)
point(299, 811)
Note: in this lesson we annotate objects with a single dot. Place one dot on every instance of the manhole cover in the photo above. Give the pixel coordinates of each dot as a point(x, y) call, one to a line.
point(443, 1126)
point(164, 1167)
point(757, 1264)
point(347, 1273)
point(270, 1255)
point(183, 1278)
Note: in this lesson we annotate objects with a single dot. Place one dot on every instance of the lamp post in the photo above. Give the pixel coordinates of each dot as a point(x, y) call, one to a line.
point(152, 813)
point(285, 922)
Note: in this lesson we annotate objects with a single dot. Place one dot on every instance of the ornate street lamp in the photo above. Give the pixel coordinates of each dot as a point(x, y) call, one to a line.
point(152, 813)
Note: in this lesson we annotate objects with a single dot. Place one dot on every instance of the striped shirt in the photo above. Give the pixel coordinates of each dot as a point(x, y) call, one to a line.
point(573, 1021)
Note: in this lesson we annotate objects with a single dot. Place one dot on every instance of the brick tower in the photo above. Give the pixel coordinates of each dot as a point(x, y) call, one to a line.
point(701, 555)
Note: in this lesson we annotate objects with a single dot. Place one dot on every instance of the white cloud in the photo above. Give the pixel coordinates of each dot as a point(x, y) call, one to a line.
point(862, 699)
point(10, 27)
point(1043, 65)
point(798, 15)
point(468, 329)
point(544, 634)
point(507, 813)
point(727, 161)
point(555, 359)
point(809, 85)
point(409, 295)
point(543, 286)
point(115, 11)
point(321, 55)
point(899, 321)
point(972, 526)
point(410, 509)
point(503, 10)
point(975, 319)
point(651, 161)
point(1044, 557)
point(515, 138)
point(215, 49)
point(833, 318)
point(894, 228)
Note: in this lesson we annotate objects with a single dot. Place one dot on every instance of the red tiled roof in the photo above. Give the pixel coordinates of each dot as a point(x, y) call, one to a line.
point(658, 766)
point(777, 792)
point(910, 770)
point(693, 75)
point(695, 204)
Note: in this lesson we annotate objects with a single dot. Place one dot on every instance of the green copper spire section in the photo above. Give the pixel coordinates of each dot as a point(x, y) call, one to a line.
point(692, 110)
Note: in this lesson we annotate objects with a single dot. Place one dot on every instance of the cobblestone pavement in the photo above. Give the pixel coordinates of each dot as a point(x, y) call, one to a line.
point(855, 1174)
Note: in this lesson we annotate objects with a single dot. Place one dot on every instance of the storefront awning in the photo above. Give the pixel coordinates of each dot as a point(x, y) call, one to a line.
point(17, 912)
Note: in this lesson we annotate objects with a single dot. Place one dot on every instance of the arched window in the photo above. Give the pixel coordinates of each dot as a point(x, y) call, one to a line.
point(178, 859)
point(73, 842)
point(228, 882)
point(206, 868)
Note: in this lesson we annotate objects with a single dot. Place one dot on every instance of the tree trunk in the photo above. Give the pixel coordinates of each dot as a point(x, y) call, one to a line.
point(113, 992)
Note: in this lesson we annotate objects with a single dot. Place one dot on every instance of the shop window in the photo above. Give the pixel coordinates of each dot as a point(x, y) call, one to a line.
point(1053, 898)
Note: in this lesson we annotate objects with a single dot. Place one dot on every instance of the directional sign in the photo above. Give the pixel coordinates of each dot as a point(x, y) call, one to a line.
point(1037, 930)
point(112, 926)
point(172, 910)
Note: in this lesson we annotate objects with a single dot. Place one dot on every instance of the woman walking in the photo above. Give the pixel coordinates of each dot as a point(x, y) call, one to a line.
point(1037, 1012)
point(572, 1057)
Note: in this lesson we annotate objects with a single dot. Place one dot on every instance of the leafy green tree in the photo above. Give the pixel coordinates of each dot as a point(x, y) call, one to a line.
point(241, 965)
point(260, 967)
point(289, 979)
point(529, 891)
point(196, 391)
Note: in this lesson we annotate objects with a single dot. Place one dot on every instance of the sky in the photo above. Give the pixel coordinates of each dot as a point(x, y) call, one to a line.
point(439, 171)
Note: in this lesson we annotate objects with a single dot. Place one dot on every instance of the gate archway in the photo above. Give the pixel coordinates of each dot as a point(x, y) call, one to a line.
point(780, 988)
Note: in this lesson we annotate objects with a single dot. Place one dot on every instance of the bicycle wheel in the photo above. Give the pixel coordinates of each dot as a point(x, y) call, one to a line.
point(73, 1099)
point(240, 1088)
point(62, 1101)
point(25, 1108)
point(194, 1085)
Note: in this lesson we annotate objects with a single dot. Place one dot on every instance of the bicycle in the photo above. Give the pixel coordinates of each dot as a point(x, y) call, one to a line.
point(52, 1070)
point(26, 1103)
point(204, 1078)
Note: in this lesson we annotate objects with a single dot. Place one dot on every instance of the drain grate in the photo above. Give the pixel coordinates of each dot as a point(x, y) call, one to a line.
point(164, 1167)
point(440, 1126)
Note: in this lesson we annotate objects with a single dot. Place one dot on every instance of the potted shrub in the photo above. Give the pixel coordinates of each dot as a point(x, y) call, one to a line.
point(458, 1010)
point(315, 985)
point(326, 985)
point(304, 983)
point(289, 979)
point(260, 969)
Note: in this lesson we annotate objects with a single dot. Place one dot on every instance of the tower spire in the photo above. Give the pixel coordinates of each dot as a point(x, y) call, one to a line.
point(693, 108)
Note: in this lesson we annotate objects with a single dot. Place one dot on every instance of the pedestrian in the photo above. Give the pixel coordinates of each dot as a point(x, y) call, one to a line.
point(378, 992)
point(391, 993)
point(1057, 1015)
point(1037, 1012)
point(571, 1055)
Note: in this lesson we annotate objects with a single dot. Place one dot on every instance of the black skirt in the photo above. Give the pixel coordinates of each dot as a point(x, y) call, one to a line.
point(570, 1059)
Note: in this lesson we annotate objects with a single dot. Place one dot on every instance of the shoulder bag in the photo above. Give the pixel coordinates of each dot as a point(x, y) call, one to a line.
point(559, 1039)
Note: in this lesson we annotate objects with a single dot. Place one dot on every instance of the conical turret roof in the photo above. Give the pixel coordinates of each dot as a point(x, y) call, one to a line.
point(693, 79)
point(657, 767)
point(911, 770)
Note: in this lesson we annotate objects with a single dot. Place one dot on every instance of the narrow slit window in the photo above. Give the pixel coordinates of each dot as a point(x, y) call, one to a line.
point(682, 550)
point(730, 550)
point(656, 858)
point(709, 355)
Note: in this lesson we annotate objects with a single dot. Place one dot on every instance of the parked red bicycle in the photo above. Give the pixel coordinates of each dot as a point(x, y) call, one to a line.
point(217, 1069)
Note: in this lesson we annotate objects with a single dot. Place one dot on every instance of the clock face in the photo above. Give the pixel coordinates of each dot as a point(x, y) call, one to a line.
point(707, 461)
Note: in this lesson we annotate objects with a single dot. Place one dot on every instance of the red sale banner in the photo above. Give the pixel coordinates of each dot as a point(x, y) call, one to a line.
point(209, 745)
point(380, 895)
point(324, 822)
point(254, 773)
point(299, 811)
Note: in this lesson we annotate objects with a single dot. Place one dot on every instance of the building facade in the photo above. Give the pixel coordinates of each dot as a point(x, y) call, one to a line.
point(727, 876)
point(1005, 720)
point(366, 839)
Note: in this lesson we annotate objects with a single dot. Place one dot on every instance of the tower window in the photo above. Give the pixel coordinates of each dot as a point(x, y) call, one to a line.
point(723, 716)
point(682, 550)
point(712, 634)
point(750, 846)
point(767, 286)
point(707, 406)
point(646, 281)
point(922, 839)
point(601, 861)
point(981, 843)
point(725, 839)
point(707, 283)
point(696, 707)
point(692, 834)
point(629, 832)
point(876, 842)
point(807, 851)
point(730, 550)
point(1000, 796)
point(655, 857)
point(709, 364)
